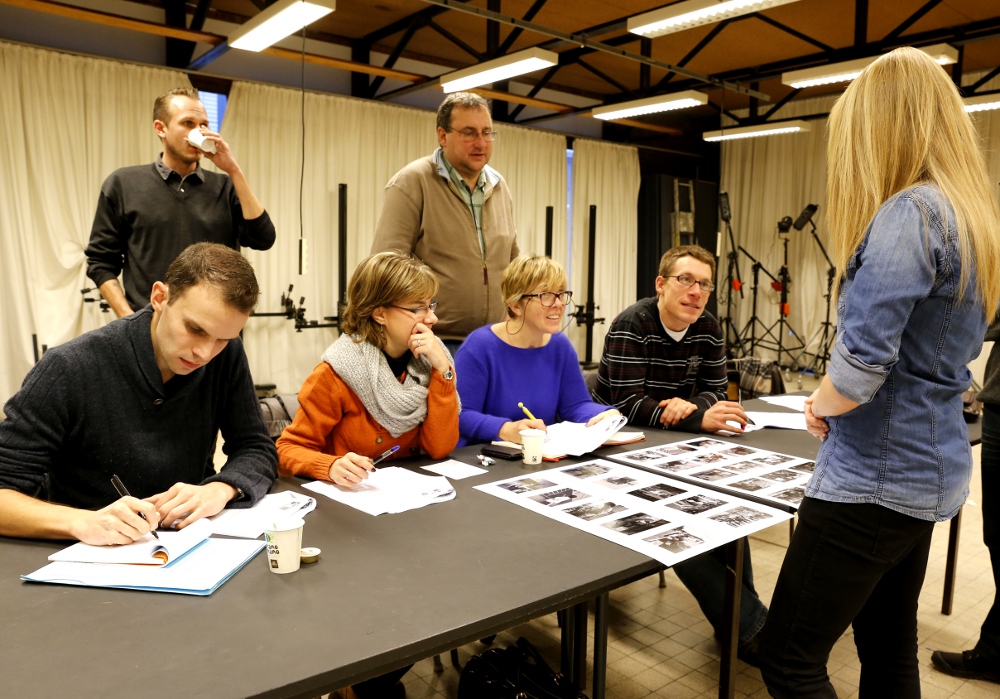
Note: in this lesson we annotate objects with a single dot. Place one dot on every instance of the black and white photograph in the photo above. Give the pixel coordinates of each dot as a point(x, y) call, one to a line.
point(752, 485)
point(740, 451)
point(586, 470)
point(773, 459)
point(781, 475)
point(559, 497)
point(594, 510)
point(696, 504)
point(674, 449)
point(790, 495)
point(526, 485)
point(675, 466)
point(713, 474)
point(617, 482)
point(807, 467)
point(740, 516)
point(658, 491)
point(675, 540)
point(744, 467)
point(710, 458)
point(635, 524)
point(707, 443)
point(644, 456)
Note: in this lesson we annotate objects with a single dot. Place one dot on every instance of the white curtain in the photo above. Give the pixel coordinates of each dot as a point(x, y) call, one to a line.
point(607, 176)
point(362, 144)
point(66, 123)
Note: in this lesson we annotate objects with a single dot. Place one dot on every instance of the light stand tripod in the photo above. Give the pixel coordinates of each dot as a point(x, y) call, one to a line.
point(783, 307)
point(827, 332)
point(749, 335)
point(734, 343)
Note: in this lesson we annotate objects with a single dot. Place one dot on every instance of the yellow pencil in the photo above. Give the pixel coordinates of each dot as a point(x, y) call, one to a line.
point(526, 411)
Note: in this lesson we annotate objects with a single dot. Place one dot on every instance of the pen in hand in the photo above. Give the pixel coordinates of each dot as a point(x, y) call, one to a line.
point(384, 454)
point(123, 491)
point(739, 397)
point(526, 411)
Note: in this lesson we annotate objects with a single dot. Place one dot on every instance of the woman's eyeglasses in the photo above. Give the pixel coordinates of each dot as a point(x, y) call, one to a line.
point(548, 298)
point(420, 311)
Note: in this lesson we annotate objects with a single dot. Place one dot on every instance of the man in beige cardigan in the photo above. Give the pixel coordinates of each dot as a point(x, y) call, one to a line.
point(455, 213)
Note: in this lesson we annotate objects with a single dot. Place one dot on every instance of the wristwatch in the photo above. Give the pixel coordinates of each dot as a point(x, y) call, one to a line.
point(448, 375)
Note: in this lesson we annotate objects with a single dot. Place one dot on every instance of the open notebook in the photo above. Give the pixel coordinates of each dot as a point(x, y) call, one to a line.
point(146, 550)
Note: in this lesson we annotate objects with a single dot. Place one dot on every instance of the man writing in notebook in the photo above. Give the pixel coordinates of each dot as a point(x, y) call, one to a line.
point(664, 366)
point(141, 398)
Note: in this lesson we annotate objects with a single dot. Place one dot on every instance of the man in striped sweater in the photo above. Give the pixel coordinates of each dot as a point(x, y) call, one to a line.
point(664, 365)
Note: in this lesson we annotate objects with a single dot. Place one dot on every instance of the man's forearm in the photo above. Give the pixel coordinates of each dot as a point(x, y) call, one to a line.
point(112, 292)
point(27, 517)
point(249, 203)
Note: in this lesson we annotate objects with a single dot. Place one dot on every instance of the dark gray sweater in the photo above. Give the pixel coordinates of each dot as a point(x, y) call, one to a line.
point(97, 406)
point(144, 222)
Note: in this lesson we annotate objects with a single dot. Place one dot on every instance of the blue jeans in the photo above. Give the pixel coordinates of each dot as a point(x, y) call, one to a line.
point(847, 564)
point(989, 637)
point(705, 577)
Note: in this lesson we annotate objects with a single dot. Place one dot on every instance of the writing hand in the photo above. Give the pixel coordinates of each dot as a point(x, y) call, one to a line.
point(675, 410)
point(719, 415)
point(350, 469)
point(511, 431)
point(118, 523)
point(185, 504)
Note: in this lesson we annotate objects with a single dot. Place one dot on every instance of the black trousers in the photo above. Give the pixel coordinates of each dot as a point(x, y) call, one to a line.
point(989, 637)
point(847, 564)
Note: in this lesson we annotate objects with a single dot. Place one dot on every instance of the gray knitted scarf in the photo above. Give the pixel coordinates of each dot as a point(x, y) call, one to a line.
point(398, 407)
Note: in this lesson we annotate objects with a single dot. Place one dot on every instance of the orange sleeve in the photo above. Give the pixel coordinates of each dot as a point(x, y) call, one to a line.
point(300, 447)
point(439, 431)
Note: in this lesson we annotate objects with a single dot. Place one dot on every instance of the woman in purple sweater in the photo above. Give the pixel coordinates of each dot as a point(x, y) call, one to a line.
point(525, 359)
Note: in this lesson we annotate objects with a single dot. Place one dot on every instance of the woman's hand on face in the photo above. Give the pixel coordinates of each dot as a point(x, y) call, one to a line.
point(423, 343)
point(350, 469)
point(601, 416)
point(511, 431)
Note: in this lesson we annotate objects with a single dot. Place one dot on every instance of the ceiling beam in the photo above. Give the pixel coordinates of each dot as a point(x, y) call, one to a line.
point(912, 19)
point(400, 25)
point(584, 42)
point(516, 32)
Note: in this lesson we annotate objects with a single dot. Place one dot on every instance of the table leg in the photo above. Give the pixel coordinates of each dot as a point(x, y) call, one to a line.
point(951, 564)
point(600, 645)
point(731, 619)
point(567, 647)
point(579, 676)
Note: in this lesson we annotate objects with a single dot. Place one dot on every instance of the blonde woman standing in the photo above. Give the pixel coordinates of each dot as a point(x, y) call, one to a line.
point(916, 235)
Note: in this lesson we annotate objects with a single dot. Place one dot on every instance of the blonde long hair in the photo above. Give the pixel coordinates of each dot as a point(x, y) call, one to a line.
point(900, 124)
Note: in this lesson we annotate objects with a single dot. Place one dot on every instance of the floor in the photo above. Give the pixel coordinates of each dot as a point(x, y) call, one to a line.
point(660, 645)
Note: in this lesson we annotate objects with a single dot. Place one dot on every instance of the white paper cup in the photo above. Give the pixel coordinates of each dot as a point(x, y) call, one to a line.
point(284, 545)
point(532, 441)
point(197, 139)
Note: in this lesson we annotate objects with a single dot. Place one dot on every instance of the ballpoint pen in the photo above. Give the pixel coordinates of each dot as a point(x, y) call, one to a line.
point(526, 411)
point(739, 397)
point(386, 453)
point(123, 491)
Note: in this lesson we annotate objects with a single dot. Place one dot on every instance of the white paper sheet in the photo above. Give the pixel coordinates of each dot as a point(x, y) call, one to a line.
point(456, 470)
point(250, 523)
point(388, 490)
point(793, 402)
point(659, 517)
point(785, 421)
point(576, 439)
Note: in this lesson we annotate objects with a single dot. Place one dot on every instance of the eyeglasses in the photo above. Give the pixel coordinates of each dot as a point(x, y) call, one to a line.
point(688, 280)
point(548, 298)
point(470, 135)
point(419, 311)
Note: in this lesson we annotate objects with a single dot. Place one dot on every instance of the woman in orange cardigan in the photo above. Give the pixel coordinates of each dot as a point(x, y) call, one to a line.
point(387, 381)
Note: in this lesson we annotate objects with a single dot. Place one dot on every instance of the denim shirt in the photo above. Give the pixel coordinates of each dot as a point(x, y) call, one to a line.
point(904, 338)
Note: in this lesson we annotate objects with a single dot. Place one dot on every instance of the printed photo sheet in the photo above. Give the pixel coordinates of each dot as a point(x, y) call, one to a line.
point(663, 519)
point(738, 469)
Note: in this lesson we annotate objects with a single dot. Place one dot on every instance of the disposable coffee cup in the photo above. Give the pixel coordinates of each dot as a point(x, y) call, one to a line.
point(284, 545)
point(532, 441)
point(197, 139)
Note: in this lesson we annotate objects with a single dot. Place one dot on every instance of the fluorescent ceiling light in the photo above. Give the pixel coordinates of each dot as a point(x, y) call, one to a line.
point(943, 54)
point(526, 61)
point(651, 105)
point(795, 126)
point(982, 103)
point(281, 19)
point(693, 13)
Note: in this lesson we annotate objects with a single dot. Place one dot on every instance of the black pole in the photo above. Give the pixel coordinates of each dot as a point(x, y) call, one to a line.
point(591, 308)
point(34, 346)
point(548, 231)
point(342, 267)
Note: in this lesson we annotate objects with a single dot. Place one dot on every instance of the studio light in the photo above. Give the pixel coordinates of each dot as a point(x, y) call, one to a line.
point(694, 13)
point(982, 103)
point(943, 54)
point(526, 61)
point(651, 105)
point(281, 19)
point(780, 127)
